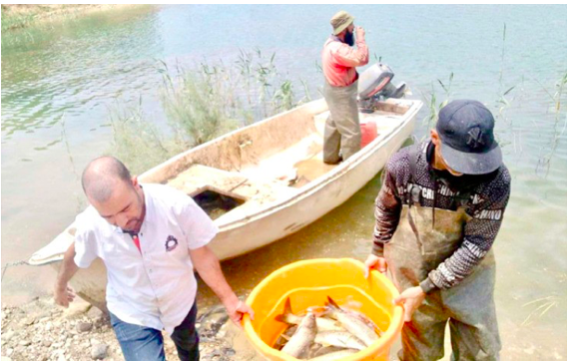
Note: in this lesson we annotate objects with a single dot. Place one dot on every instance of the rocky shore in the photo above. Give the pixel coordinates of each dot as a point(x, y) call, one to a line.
point(41, 331)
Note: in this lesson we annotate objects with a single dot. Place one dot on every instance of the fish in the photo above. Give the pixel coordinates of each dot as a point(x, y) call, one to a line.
point(352, 324)
point(285, 337)
point(311, 352)
point(323, 350)
point(323, 324)
point(334, 355)
point(302, 338)
point(341, 339)
point(362, 317)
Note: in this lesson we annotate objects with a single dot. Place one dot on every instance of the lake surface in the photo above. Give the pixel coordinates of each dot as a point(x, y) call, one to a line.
point(60, 81)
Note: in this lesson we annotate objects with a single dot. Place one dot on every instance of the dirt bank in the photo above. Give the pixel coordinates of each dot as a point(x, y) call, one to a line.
point(15, 16)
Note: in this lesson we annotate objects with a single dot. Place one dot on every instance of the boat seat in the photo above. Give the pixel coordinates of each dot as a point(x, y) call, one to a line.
point(198, 178)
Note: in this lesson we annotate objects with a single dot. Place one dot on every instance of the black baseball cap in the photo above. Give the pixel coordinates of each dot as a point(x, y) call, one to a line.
point(468, 146)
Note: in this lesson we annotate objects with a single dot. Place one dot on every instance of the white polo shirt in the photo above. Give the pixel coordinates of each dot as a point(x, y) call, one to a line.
point(155, 288)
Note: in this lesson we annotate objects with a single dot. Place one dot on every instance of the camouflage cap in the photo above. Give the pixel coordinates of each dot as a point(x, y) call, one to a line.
point(341, 21)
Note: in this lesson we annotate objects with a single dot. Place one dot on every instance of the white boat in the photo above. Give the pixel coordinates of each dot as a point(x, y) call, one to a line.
point(262, 182)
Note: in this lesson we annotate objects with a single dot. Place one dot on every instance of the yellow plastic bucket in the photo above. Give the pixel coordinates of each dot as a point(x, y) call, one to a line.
point(308, 283)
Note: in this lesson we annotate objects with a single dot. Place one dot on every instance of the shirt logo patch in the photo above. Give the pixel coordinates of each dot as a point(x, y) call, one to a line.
point(171, 243)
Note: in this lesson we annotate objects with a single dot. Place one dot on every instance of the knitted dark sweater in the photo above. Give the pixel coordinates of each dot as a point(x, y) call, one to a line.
point(483, 197)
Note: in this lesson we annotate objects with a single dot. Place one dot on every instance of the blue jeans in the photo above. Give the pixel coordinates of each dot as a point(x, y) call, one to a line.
point(144, 343)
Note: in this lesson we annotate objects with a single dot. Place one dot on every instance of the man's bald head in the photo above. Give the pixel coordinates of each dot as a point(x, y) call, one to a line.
point(102, 175)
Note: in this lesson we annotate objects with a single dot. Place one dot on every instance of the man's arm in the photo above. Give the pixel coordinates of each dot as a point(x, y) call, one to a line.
point(209, 269)
point(479, 235)
point(62, 293)
point(387, 210)
point(387, 215)
point(349, 57)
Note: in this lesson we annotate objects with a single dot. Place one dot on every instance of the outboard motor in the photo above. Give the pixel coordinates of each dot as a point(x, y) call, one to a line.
point(375, 84)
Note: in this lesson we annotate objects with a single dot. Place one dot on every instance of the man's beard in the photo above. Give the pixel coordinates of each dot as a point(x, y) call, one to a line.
point(465, 182)
point(349, 38)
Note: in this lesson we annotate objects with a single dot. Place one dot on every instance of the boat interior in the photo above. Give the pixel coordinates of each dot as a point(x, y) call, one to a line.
point(272, 160)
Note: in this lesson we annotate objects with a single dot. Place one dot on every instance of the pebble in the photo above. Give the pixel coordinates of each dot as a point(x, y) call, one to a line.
point(43, 357)
point(9, 335)
point(99, 352)
point(43, 315)
point(95, 313)
point(24, 343)
point(75, 309)
point(27, 321)
point(229, 351)
point(47, 343)
point(84, 326)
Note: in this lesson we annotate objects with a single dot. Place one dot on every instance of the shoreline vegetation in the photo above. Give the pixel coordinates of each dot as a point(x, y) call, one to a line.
point(201, 104)
point(17, 16)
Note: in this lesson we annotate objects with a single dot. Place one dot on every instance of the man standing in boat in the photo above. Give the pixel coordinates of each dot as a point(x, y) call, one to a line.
point(438, 213)
point(150, 238)
point(342, 136)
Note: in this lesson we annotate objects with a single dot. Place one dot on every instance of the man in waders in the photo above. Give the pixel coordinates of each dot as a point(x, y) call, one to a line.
point(342, 131)
point(437, 214)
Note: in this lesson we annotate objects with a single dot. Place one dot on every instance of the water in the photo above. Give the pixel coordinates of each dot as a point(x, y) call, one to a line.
point(59, 82)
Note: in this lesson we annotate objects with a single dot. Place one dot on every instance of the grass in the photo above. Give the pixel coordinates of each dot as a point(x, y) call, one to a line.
point(432, 102)
point(17, 16)
point(199, 108)
point(435, 101)
point(22, 16)
point(138, 142)
point(14, 21)
point(541, 307)
point(200, 105)
point(559, 127)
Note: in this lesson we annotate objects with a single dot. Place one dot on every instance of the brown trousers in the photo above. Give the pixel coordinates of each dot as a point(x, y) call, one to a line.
point(342, 132)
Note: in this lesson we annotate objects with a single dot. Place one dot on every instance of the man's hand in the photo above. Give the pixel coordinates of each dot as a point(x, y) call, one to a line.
point(411, 299)
point(63, 295)
point(374, 262)
point(237, 309)
point(209, 269)
point(359, 33)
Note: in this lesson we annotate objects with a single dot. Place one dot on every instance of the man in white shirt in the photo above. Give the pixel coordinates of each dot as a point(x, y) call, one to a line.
point(150, 238)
